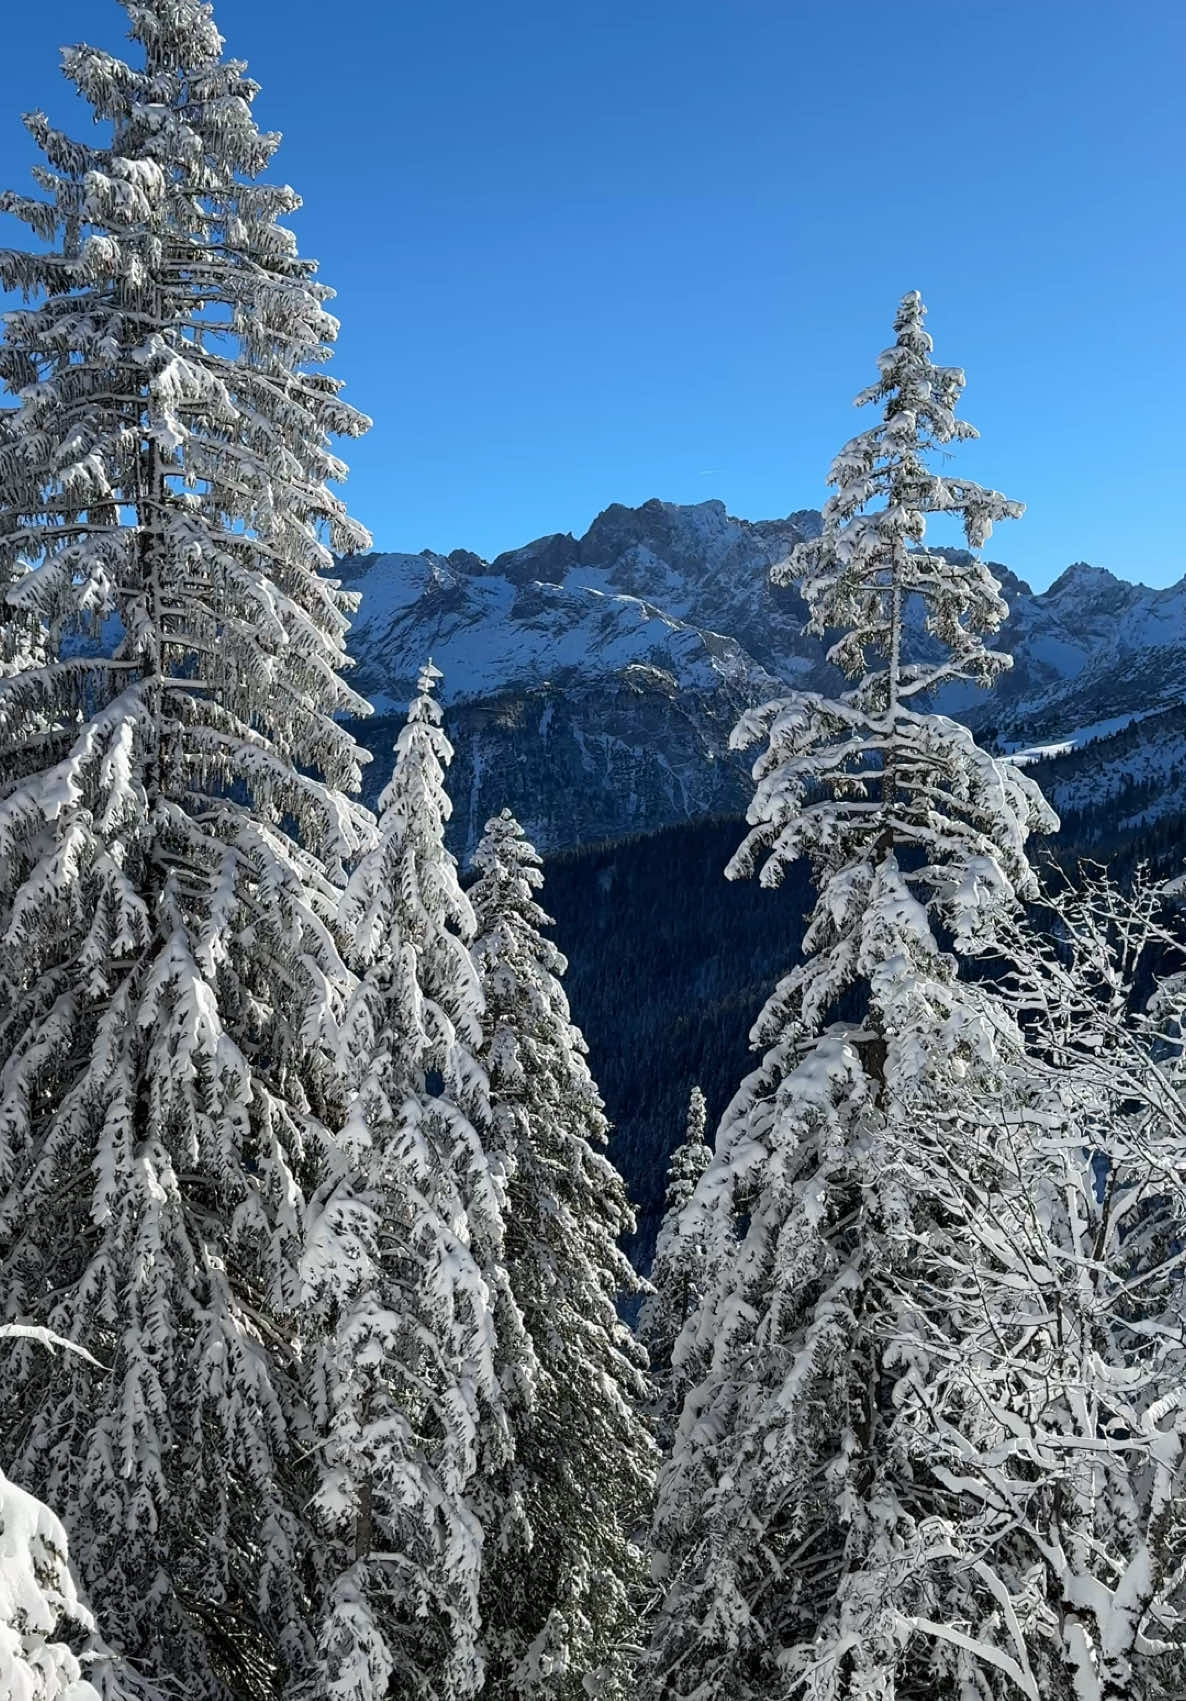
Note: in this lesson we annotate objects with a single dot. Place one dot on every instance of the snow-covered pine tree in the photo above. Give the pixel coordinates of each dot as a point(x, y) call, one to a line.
point(560, 1603)
point(789, 1534)
point(39, 1604)
point(39, 1601)
point(172, 824)
point(422, 1350)
point(678, 1271)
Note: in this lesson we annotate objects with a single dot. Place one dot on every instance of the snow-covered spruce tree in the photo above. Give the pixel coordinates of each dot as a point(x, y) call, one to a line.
point(422, 1351)
point(790, 1531)
point(172, 821)
point(1052, 1316)
point(678, 1271)
point(560, 1602)
point(39, 1602)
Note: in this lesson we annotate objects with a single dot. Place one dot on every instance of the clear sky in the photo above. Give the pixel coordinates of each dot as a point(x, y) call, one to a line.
point(599, 252)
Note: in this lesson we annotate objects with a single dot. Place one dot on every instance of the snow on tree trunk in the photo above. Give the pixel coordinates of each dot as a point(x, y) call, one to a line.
point(172, 836)
point(791, 1539)
point(560, 1599)
point(421, 1345)
point(678, 1272)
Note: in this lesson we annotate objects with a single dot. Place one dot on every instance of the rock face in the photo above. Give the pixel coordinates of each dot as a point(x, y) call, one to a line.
point(592, 681)
point(683, 590)
point(588, 760)
point(1091, 648)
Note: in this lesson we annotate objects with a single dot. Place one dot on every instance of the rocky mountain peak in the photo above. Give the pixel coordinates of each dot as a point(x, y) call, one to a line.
point(1083, 582)
point(662, 529)
point(547, 559)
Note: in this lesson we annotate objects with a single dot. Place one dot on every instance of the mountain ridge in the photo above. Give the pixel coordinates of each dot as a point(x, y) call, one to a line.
point(594, 679)
point(571, 541)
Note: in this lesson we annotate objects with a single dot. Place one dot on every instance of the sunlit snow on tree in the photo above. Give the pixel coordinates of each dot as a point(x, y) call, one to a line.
point(406, 1264)
point(678, 1272)
point(172, 834)
point(561, 1597)
point(788, 1531)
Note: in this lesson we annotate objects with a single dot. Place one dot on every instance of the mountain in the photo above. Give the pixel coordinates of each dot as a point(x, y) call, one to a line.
point(592, 681)
point(685, 589)
point(591, 685)
point(1123, 789)
point(1091, 649)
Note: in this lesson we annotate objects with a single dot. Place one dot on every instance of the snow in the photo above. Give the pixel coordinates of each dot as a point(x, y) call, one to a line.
point(683, 590)
point(489, 634)
point(789, 1523)
point(456, 1395)
point(37, 1600)
point(1022, 755)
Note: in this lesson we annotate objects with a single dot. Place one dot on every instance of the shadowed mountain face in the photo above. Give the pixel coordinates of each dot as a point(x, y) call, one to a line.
point(592, 681)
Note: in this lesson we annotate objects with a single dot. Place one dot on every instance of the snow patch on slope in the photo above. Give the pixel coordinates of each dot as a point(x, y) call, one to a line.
point(1024, 757)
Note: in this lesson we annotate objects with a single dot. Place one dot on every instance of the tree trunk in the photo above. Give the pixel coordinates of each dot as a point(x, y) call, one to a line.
point(364, 1522)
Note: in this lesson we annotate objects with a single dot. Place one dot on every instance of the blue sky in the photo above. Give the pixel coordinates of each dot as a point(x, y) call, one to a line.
point(630, 248)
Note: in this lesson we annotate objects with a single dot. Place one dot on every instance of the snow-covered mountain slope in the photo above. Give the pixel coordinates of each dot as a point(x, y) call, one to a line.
point(1127, 785)
point(1092, 648)
point(683, 589)
point(592, 681)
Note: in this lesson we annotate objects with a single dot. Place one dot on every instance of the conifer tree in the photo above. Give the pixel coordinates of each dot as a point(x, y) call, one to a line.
point(172, 827)
point(678, 1272)
point(41, 1614)
point(791, 1543)
point(38, 1604)
point(559, 1603)
point(422, 1344)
